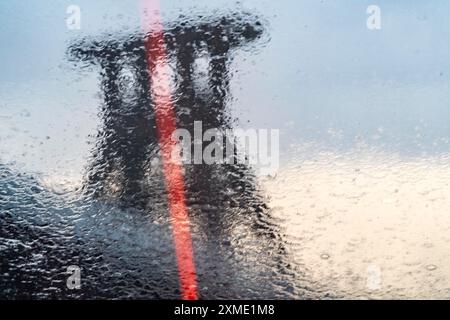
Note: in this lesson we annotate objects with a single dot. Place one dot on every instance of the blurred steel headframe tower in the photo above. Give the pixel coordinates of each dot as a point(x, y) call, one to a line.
point(128, 137)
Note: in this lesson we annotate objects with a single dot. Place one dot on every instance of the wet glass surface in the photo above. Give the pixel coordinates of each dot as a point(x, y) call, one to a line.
point(356, 208)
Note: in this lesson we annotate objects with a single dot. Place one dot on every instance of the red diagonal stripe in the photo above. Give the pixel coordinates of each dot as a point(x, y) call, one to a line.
point(173, 172)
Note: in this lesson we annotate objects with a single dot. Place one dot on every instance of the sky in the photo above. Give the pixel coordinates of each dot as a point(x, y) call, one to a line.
point(322, 77)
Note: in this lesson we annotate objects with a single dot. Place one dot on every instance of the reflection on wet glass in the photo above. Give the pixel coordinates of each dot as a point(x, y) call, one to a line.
point(357, 209)
point(232, 226)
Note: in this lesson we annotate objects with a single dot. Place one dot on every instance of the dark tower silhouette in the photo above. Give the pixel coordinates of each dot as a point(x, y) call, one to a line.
point(219, 196)
point(127, 138)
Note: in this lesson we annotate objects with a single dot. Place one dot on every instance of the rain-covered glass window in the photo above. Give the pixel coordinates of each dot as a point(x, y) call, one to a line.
point(213, 149)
